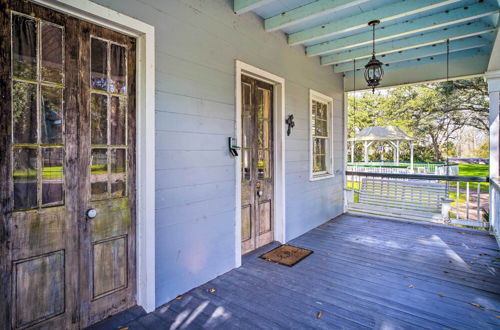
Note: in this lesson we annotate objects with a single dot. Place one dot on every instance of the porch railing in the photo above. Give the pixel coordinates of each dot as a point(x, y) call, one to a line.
point(470, 195)
point(494, 215)
point(405, 168)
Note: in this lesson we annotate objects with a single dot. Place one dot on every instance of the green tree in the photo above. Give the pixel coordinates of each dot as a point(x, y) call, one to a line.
point(432, 113)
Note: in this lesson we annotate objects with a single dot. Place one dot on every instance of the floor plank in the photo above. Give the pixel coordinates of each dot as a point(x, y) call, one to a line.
point(365, 272)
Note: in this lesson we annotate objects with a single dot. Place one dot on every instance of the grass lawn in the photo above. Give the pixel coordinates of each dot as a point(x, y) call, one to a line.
point(473, 170)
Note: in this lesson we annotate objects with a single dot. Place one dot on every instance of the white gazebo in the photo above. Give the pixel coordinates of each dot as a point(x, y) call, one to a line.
point(391, 134)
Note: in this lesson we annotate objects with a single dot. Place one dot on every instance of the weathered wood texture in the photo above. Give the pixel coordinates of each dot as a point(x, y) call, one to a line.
point(58, 269)
point(257, 179)
point(5, 166)
point(107, 243)
point(364, 273)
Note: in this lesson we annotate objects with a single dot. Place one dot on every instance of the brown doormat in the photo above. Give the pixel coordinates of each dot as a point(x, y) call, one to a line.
point(287, 255)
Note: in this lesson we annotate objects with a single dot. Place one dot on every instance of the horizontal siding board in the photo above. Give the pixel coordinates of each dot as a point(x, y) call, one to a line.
point(167, 140)
point(175, 103)
point(176, 159)
point(191, 123)
point(188, 177)
point(188, 195)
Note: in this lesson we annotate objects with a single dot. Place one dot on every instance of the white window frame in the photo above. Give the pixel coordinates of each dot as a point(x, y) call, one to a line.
point(319, 97)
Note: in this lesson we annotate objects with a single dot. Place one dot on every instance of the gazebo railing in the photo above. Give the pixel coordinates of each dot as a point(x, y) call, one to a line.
point(405, 167)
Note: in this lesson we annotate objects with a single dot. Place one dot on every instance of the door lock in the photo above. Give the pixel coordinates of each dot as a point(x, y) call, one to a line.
point(91, 213)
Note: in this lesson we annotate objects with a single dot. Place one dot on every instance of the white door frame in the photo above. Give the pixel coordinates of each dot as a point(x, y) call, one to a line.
point(279, 151)
point(145, 88)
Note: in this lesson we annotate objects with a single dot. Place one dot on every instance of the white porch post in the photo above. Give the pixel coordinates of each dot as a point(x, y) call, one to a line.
point(352, 152)
point(366, 145)
point(397, 152)
point(411, 156)
point(493, 79)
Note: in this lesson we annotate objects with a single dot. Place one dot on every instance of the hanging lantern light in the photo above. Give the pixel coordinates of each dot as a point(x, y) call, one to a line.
point(373, 69)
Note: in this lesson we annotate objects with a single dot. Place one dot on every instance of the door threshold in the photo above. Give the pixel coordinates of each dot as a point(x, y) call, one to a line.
point(257, 252)
point(119, 320)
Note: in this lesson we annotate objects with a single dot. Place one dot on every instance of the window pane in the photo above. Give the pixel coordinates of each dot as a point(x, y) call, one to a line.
point(319, 164)
point(319, 146)
point(24, 112)
point(52, 176)
point(118, 70)
point(99, 64)
point(25, 178)
point(118, 172)
point(99, 174)
point(52, 118)
point(117, 120)
point(324, 111)
point(99, 117)
point(52, 53)
point(24, 47)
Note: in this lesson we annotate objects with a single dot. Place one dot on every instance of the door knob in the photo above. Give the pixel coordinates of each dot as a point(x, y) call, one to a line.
point(91, 213)
point(260, 193)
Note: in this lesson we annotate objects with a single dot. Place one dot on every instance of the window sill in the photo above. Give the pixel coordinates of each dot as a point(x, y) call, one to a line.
point(318, 177)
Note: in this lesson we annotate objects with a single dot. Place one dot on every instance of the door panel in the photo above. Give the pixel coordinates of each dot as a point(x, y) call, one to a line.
point(257, 164)
point(59, 270)
point(108, 252)
point(42, 290)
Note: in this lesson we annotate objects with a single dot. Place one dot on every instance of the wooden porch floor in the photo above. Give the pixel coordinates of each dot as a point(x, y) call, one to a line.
point(364, 273)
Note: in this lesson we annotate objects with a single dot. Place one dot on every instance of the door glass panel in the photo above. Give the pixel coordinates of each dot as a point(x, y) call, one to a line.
point(263, 164)
point(117, 120)
point(52, 53)
point(264, 134)
point(266, 104)
point(99, 64)
point(25, 178)
point(118, 172)
point(24, 114)
point(99, 117)
point(24, 47)
point(37, 113)
point(118, 83)
point(51, 116)
point(52, 176)
point(109, 120)
point(99, 174)
point(245, 164)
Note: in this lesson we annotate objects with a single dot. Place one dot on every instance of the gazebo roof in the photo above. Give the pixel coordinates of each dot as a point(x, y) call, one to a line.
point(382, 133)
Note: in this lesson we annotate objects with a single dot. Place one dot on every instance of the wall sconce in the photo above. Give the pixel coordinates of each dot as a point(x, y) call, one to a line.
point(291, 124)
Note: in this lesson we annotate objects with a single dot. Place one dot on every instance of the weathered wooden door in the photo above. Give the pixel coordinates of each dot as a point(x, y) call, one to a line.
point(67, 128)
point(257, 191)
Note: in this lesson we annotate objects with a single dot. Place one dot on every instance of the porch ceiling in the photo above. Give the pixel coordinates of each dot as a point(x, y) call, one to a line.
point(410, 41)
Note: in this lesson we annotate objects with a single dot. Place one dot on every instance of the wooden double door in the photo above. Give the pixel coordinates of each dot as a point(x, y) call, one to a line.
point(67, 170)
point(257, 164)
